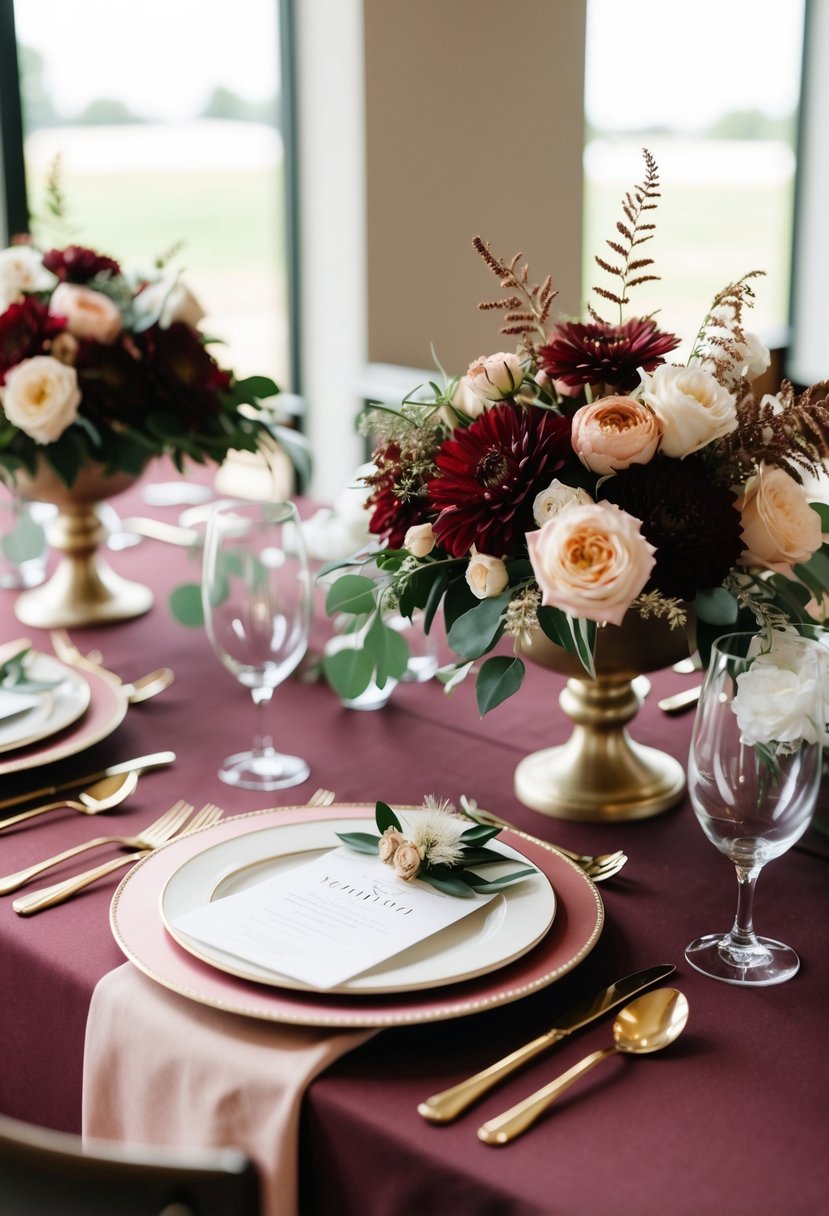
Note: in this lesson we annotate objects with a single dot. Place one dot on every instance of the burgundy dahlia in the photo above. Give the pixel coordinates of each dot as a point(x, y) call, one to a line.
point(689, 518)
point(395, 507)
point(76, 264)
point(598, 353)
point(25, 328)
point(184, 376)
point(489, 475)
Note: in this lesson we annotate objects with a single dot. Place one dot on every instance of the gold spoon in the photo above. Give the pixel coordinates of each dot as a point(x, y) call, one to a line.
point(647, 1024)
point(100, 796)
point(149, 685)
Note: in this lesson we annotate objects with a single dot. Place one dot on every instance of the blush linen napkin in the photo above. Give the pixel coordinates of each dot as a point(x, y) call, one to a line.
point(162, 1070)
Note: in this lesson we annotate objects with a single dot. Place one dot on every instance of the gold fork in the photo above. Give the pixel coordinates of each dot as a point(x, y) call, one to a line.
point(598, 867)
point(321, 797)
point(49, 896)
point(150, 837)
point(142, 689)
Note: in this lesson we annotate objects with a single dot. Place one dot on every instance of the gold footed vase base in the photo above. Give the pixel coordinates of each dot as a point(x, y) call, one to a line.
point(83, 589)
point(600, 774)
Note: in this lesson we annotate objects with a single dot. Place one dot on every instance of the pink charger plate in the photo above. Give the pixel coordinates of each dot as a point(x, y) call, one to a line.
point(135, 918)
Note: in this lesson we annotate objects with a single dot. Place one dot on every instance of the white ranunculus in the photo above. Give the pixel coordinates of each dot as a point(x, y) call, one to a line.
point(21, 270)
point(555, 498)
point(167, 301)
point(787, 650)
point(775, 705)
point(41, 397)
point(692, 406)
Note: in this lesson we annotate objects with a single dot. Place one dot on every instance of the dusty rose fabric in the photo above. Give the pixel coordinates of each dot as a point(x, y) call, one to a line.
point(159, 1069)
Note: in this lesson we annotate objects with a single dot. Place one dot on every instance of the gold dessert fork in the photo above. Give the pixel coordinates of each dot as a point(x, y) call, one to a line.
point(61, 891)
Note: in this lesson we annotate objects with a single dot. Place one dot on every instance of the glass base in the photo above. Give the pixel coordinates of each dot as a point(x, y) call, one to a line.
point(264, 771)
point(768, 962)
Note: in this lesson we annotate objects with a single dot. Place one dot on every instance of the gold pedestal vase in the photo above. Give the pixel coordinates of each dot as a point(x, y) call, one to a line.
point(600, 774)
point(83, 590)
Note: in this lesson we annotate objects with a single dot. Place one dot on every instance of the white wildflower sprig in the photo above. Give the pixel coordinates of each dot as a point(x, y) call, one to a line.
point(439, 849)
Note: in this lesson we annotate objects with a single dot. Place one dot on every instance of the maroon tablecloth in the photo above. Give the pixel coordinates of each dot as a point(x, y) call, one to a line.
point(730, 1120)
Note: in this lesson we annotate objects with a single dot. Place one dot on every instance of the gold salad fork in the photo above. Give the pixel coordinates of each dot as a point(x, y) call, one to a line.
point(150, 837)
point(142, 689)
point(61, 891)
point(598, 868)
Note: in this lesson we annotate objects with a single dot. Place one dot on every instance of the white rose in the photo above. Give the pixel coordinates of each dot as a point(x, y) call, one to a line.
point(692, 407)
point(168, 301)
point(486, 576)
point(494, 377)
point(774, 704)
point(756, 358)
point(419, 540)
point(41, 397)
point(555, 498)
point(466, 400)
point(21, 270)
point(786, 649)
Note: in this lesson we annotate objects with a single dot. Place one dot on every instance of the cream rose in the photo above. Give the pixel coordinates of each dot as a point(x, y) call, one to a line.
point(89, 314)
point(168, 301)
point(419, 540)
point(494, 377)
point(591, 561)
point(555, 498)
point(41, 397)
point(780, 529)
point(486, 576)
point(614, 433)
point(390, 842)
point(407, 860)
point(466, 400)
point(692, 407)
point(22, 270)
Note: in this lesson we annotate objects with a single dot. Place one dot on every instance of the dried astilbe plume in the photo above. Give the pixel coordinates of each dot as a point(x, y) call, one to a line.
point(634, 231)
point(756, 597)
point(521, 616)
point(527, 307)
point(790, 431)
point(654, 604)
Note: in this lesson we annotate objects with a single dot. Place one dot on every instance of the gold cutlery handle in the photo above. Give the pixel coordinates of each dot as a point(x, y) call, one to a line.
point(446, 1106)
point(47, 897)
point(12, 882)
point(518, 1118)
point(38, 810)
point(680, 701)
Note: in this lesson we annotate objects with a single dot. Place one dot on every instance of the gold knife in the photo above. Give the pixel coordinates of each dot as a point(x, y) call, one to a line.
point(446, 1106)
point(139, 765)
point(680, 701)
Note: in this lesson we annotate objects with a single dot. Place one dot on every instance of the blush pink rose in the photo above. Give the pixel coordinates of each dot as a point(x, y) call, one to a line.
point(780, 529)
point(407, 860)
point(89, 314)
point(591, 561)
point(614, 433)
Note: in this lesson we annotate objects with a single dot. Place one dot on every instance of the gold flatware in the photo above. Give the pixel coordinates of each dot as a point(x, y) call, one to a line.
point(155, 529)
point(141, 764)
point(150, 837)
point(99, 796)
point(598, 868)
point(61, 891)
point(321, 797)
point(136, 691)
point(446, 1106)
point(680, 701)
point(687, 667)
point(648, 1024)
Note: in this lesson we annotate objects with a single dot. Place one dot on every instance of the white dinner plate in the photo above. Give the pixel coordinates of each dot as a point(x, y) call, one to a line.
point(492, 936)
point(56, 707)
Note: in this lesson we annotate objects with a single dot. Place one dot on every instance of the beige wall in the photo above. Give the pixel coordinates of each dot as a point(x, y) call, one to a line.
point(473, 124)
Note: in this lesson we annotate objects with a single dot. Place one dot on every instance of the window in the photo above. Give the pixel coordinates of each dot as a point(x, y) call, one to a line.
point(712, 89)
point(166, 118)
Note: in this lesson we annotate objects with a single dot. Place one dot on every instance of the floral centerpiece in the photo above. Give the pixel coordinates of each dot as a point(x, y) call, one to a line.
point(584, 477)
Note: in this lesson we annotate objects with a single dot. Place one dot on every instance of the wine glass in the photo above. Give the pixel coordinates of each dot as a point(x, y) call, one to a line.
point(256, 594)
point(753, 777)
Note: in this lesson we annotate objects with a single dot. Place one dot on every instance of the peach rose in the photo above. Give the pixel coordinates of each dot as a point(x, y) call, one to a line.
point(486, 576)
point(407, 860)
point(692, 406)
point(41, 397)
point(390, 842)
point(591, 561)
point(780, 529)
point(555, 498)
point(614, 433)
point(89, 314)
point(419, 540)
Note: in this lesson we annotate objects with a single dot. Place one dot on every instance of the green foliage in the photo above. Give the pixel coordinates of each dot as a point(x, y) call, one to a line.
point(477, 630)
point(185, 604)
point(498, 679)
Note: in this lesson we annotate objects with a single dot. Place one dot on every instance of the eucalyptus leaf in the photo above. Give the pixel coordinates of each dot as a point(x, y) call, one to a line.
point(351, 593)
point(716, 606)
point(185, 604)
point(477, 631)
point(388, 650)
point(361, 842)
point(497, 680)
point(479, 834)
point(26, 541)
point(349, 672)
point(496, 884)
point(473, 856)
point(450, 884)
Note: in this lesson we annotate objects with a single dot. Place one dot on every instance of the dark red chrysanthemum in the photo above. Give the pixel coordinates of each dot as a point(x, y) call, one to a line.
point(691, 520)
point(76, 264)
point(489, 475)
point(393, 509)
point(184, 376)
point(595, 353)
point(25, 328)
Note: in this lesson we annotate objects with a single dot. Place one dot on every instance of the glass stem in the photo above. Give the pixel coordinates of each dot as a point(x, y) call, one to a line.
point(262, 740)
point(742, 931)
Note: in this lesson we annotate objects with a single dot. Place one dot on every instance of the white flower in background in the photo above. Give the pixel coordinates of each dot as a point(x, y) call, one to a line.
point(749, 358)
point(22, 270)
point(41, 397)
point(486, 576)
point(780, 699)
point(555, 498)
point(692, 407)
point(169, 300)
point(420, 540)
point(337, 531)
